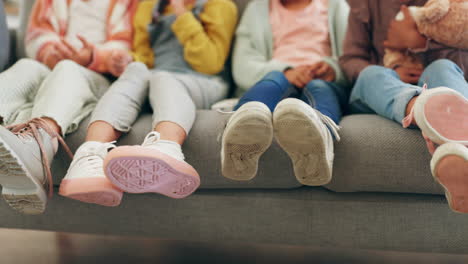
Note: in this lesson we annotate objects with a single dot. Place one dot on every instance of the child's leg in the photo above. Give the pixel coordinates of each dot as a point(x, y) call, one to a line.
point(442, 115)
point(115, 113)
point(380, 90)
point(120, 106)
point(69, 95)
point(310, 143)
point(270, 90)
point(445, 73)
point(158, 165)
point(327, 98)
point(18, 86)
point(442, 111)
point(249, 131)
point(65, 97)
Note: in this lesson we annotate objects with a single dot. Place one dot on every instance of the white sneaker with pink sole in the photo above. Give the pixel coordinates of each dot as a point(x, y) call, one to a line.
point(442, 115)
point(157, 166)
point(85, 180)
point(449, 166)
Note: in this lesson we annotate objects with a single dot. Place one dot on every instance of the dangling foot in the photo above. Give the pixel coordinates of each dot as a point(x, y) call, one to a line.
point(26, 152)
point(449, 166)
point(85, 180)
point(248, 134)
point(157, 166)
point(304, 134)
point(442, 116)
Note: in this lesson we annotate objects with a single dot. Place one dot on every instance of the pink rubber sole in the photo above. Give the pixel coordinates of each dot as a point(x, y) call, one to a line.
point(141, 170)
point(92, 190)
point(452, 173)
point(448, 115)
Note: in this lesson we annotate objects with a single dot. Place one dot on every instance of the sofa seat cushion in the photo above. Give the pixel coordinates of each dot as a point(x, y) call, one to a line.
point(378, 155)
point(374, 155)
point(202, 151)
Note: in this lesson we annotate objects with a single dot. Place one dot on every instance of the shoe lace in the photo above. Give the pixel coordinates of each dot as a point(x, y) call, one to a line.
point(333, 127)
point(151, 138)
point(93, 160)
point(31, 129)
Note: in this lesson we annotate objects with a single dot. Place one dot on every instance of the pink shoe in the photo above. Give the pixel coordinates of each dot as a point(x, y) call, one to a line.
point(85, 180)
point(148, 169)
point(442, 116)
point(449, 167)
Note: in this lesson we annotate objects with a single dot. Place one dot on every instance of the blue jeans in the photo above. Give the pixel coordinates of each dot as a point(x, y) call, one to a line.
point(379, 90)
point(324, 96)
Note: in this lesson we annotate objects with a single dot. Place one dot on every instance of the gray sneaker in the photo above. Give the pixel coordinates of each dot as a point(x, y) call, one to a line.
point(26, 152)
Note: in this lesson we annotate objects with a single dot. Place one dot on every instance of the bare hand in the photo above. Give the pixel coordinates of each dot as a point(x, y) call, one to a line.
point(52, 54)
point(118, 61)
point(323, 71)
point(404, 34)
point(178, 6)
point(409, 75)
point(299, 76)
point(84, 56)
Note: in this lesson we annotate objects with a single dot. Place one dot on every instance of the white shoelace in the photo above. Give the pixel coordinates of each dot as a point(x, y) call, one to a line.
point(153, 140)
point(92, 159)
point(334, 128)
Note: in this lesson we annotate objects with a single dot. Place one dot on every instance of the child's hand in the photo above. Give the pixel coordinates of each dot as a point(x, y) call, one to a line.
point(404, 34)
point(118, 61)
point(323, 71)
point(409, 75)
point(299, 76)
point(52, 54)
point(178, 6)
point(84, 56)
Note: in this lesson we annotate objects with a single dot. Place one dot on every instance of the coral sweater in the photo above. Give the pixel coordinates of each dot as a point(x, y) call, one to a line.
point(52, 20)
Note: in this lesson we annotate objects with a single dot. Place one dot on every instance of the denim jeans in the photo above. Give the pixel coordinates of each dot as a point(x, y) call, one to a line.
point(326, 97)
point(379, 90)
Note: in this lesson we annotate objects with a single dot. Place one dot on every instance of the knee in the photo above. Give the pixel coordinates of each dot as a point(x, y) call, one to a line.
point(137, 68)
point(66, 65)
point(274, 75)
point(439, 66)
point(160, 76)
point(275, 78)
point(317, 84)
point(372, 72)
point(30, 65)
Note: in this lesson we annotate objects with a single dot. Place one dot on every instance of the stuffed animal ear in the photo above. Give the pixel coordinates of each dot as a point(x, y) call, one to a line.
point(434, 10)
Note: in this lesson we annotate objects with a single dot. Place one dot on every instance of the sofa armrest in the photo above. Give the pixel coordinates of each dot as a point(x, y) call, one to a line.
point(4, 38)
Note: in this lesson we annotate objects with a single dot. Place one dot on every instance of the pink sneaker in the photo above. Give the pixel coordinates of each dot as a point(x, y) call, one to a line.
point(157, 166)
point(442, 116)
point(449, 166)
point(85, 180)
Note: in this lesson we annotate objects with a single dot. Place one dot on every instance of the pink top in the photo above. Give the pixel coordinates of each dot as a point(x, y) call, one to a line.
point(300, 37)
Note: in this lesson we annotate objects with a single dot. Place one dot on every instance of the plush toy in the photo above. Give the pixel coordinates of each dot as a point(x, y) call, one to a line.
point(445, 21)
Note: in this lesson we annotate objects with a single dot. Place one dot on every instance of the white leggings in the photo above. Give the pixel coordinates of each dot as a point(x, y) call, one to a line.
point(174, 97)
point(67, 94)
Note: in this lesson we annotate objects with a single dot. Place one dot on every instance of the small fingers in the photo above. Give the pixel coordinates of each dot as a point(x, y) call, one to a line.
point(85, 42)
point(70, 48)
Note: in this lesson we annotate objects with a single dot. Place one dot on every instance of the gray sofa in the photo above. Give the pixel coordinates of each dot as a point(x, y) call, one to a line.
point(4, 38)
point(382, 195)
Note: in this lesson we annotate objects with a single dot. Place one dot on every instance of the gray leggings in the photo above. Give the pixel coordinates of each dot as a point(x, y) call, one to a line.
point(174, 97)
point(67, 94)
